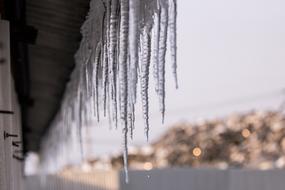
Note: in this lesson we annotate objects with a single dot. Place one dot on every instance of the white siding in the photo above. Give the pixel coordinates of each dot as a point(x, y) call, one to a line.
point(10, 169)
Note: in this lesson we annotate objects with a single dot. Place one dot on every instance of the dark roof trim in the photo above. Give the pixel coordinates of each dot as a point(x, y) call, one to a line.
point(21, 34)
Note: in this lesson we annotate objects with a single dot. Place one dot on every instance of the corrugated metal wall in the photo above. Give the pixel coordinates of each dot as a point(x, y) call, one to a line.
point(166, 179)
point(205, 179)
point(10, 123)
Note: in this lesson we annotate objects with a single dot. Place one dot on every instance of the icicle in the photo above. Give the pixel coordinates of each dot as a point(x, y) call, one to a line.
point(162, 52)
point(131, 119)
point(113, 31)
point(125, 132)
point(172, 37)
point(109, 111)
point(134, 43)
point(113, 37)
point(123, 71)
point(87, 74)
point(123, 55)
point(97, 64)
point(145, 63)
point(155, 49)
point(80, 125)
point(130, 102)
point(105, 79)
point(105, 55)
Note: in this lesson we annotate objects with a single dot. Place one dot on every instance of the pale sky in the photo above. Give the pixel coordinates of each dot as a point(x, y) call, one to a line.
point(231, 58)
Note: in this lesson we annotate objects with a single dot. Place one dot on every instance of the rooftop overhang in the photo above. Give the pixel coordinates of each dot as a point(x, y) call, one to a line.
point(44, 37)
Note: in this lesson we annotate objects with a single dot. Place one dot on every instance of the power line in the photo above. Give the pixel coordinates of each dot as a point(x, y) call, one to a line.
point(231, 102)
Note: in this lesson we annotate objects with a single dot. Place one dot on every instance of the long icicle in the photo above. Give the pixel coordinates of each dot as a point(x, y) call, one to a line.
point(113, 37)
point(123, 71)
point(97, 78)
point(134, 43)
point(105, 31)
point(145, 63)
point(161, 56)
point(173, 37)
point(155, 48)
point(130, 101)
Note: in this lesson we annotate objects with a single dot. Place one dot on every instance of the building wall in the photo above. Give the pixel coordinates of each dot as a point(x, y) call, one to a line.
point(205, 179)
point(163, 179)
point(11, 171)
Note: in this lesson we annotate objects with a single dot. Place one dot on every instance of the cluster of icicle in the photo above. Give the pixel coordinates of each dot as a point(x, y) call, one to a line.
point(122, 39)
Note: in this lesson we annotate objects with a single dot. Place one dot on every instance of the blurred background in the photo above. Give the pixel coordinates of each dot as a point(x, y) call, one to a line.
point(225, 121)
